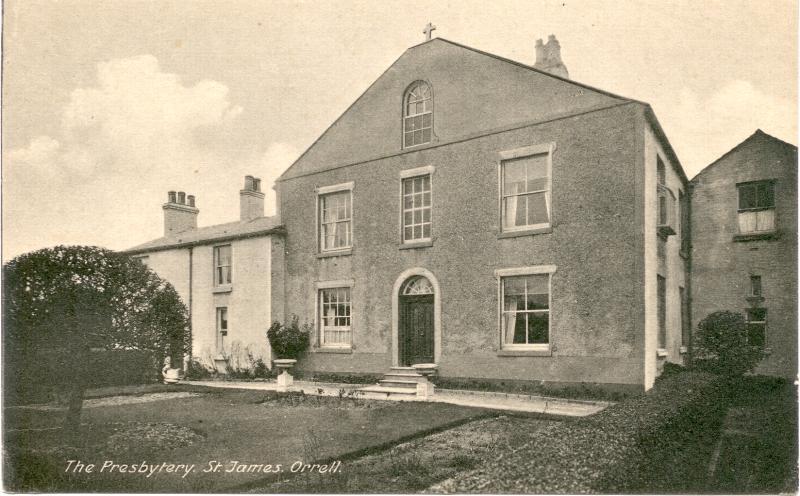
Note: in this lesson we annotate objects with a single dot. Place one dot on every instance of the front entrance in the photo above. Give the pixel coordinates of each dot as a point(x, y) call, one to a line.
point(415, 326)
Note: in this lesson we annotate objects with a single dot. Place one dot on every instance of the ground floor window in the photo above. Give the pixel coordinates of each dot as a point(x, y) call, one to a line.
point(662, 312)
point(525, 315)
point(756, 326)
point(222, 329)
point(335, 317)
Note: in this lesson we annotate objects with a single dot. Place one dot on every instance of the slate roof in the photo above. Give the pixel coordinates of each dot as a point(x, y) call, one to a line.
point(261, 226)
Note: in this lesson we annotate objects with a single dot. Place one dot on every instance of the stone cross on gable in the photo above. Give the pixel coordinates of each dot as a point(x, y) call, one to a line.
point(428, 30)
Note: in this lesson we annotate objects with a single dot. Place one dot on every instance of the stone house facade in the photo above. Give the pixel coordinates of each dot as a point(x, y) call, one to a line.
point(744, 244)
point(225, 275)
point(501, 221)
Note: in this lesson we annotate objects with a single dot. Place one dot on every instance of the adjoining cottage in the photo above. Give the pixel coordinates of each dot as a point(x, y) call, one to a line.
point(497, 219)
point(744, 245)
point(224, 273)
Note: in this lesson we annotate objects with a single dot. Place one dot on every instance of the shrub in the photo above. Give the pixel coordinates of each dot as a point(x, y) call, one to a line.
point(628, 447)
point(197, 371)
point(722, 345)
point(289, 341)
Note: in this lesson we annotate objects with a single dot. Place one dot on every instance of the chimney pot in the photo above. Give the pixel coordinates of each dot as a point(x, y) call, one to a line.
point(548, 57)
point(251, 199)
point(178, 216)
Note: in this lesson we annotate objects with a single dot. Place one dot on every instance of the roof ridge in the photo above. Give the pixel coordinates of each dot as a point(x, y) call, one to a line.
point(532, 68)
point(757, 132)
point(476, 50)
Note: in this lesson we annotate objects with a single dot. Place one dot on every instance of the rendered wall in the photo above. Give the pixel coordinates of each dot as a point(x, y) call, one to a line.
point(249, 299)
point(662, 257)
point(596, 332)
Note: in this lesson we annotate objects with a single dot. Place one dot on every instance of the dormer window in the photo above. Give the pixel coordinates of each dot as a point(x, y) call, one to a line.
point(417, 115)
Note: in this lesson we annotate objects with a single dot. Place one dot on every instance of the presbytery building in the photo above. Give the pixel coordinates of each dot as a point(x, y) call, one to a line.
point(500, 221)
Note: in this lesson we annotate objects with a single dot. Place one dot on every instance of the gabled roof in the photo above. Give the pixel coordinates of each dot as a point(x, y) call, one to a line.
point(261, 226)
point(758, 134)
point(536, 95)
point(532, 68)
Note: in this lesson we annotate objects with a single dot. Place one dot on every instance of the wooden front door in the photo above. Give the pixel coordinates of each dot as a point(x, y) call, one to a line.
point(416, 329)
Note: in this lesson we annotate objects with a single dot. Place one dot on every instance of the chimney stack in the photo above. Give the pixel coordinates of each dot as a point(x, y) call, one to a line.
point(251, 199)
point(178, 215)
point(548, 57)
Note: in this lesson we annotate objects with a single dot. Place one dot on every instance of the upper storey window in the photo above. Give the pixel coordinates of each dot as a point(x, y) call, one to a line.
point(756, 207)
point(417, 115)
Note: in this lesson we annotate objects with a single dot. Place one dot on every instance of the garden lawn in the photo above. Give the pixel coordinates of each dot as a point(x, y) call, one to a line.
point(250, 427)
point(415, 465)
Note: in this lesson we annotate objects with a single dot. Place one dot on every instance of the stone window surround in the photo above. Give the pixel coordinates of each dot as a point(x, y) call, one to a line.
point(405, 115)
point(218, 312)
point(317, 346)
point(525, 151)
point(524, 349)
point(426, 170)
point(226, 287)
point(324, 190)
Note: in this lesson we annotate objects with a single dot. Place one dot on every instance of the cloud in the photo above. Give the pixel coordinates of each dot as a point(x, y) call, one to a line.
point(124, 141)
point(703, 129)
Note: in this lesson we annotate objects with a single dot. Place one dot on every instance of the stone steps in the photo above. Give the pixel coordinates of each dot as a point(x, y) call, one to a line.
point(402, 383)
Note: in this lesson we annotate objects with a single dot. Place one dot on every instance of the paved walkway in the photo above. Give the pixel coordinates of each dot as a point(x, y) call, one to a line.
point(478, 399)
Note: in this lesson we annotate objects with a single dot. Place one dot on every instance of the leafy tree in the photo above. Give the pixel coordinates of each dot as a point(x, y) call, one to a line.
point(722, 346)
point(64, 302)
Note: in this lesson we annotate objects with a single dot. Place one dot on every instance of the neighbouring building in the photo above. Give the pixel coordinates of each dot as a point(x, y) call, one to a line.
point(744, 245)
point(224, 273)
point(495, 218)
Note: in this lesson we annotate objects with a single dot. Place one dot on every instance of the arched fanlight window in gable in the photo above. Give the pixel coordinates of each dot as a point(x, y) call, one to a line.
point(418, 114)
point(417, 286)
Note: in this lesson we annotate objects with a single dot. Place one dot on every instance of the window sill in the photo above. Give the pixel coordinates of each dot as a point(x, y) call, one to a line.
point(754, 299)
point(222, 289)
point(756, 236)
point(336, 253)
point(342, 351)
point(684, 350)
point(525, 232)
point(524, 353)
point(416, 244)
point(662, 353)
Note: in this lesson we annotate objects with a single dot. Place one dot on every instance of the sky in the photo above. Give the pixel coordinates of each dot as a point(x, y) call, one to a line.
point(107, 105)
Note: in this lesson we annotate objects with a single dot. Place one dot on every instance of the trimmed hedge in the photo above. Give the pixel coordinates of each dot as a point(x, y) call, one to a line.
point(40, 376)
point(629, 447)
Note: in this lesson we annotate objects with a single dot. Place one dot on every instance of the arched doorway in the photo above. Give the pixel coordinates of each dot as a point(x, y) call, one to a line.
point(415, 324)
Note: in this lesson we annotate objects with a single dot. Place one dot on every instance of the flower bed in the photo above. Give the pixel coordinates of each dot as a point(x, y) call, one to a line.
point(629, 447)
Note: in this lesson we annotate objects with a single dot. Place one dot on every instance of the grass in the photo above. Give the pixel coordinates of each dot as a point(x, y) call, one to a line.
point(758, 449)
point(416, 465)
point(251, 427)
